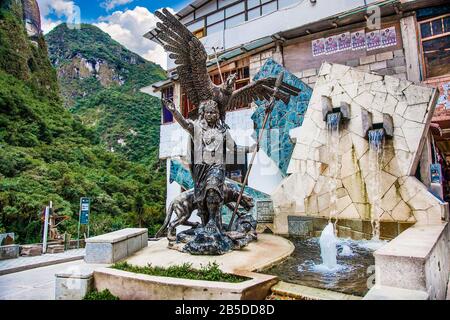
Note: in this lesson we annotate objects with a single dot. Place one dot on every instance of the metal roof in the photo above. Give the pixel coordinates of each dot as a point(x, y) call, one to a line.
point(190, 8)
point(240, 50)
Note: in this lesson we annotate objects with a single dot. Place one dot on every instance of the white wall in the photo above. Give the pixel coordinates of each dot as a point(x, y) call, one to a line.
point(173, 141)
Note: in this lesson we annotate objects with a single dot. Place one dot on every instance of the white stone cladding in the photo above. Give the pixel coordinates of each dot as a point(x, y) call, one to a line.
point(404, 198)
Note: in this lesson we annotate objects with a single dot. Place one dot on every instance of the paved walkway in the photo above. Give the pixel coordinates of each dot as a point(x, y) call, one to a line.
point(25, 263)
point(38, 283)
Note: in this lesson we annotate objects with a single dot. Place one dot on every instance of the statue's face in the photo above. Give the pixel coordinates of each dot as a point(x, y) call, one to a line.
point(211, 115)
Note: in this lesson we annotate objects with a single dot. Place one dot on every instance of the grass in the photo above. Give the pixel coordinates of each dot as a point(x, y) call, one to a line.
point(210, 272)
point(102, 295)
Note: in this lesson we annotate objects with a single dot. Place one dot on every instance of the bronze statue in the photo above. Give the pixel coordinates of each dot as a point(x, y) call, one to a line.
point(212, 145)
point(184, 205)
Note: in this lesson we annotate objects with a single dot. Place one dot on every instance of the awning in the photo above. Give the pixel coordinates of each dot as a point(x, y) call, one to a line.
point(160, 84)
point(240, 50)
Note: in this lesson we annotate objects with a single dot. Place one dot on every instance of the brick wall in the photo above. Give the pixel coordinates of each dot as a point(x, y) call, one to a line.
point(258, 60)
point(386, 63)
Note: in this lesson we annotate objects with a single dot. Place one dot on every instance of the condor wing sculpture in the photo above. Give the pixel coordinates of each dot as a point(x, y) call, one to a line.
point(190, 57)
point(189, 54)
point(262, 89)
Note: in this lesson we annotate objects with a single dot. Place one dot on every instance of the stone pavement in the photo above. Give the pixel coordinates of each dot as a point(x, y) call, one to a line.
point(25, 263)
point(37, 283)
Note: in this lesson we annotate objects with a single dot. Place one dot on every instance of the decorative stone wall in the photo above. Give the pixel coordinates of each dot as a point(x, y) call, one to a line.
point(307, 191)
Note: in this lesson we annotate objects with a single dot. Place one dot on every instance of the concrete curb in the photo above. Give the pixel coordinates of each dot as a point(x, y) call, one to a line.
point(40, 264)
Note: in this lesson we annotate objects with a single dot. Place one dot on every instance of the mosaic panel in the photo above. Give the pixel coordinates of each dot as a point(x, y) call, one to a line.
point(276, 143)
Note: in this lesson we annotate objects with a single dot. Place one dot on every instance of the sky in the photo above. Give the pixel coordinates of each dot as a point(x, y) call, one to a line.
point(126, 21)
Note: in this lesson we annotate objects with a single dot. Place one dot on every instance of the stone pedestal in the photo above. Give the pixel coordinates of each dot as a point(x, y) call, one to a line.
point(73, 284)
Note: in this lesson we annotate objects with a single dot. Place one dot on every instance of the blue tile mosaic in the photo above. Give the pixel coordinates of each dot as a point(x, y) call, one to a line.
point(283, 117)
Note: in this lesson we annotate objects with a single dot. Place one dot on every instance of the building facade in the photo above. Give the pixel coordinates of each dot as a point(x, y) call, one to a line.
point(408, 40)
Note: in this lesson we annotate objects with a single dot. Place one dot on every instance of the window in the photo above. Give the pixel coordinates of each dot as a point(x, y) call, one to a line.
point(269, 7)
point(215, 28)
point(215, 17)
point(234, 21)
point(186, 105)
point(254, 13)
point(230, 13)
point(167, 93)
point(435, 41)
point(196, 25)
point(233, 10)
point(253, 3)
point(200, 33)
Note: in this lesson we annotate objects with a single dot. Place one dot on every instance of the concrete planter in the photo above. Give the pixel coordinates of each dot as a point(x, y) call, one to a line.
point(134, 286)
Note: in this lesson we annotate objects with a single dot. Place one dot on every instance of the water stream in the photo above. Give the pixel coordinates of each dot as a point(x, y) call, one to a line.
point(328, 250)
point(333, 138)
point(376, 153)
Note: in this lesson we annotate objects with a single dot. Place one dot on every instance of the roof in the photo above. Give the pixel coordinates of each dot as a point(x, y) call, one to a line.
point(241, 49)
point(160, 84)
point(190, 8)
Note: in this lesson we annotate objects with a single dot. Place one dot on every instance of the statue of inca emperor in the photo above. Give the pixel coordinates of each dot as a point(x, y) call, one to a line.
point(212, 145)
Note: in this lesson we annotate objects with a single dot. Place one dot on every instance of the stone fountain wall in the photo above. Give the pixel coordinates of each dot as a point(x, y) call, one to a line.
point(306, 191)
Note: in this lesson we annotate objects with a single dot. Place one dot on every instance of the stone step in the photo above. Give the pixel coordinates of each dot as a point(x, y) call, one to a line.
point(31, 250)
point(308, 293)
point(56, 248)
point(392, 293)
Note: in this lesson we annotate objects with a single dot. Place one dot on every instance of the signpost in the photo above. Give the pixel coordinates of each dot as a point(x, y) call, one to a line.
point(46, 218)
point(85, 206)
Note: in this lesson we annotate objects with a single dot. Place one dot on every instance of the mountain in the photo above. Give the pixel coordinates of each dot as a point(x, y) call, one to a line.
point(47, 153)
point(100, 81)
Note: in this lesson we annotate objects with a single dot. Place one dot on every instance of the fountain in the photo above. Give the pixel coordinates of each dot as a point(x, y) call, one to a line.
point(376, 142)
point(378, 192)
point(328, 250)
point(376, 133)
point(334, 117)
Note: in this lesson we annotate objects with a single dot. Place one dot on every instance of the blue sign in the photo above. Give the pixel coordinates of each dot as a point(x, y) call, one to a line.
point(436, 173)
point(84, 210)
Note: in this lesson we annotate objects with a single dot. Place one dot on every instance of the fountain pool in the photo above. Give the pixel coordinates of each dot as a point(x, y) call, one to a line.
point(355, 263)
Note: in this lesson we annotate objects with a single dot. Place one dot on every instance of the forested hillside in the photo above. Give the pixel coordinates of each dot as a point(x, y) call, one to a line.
point(100, 81)
point(48, 154)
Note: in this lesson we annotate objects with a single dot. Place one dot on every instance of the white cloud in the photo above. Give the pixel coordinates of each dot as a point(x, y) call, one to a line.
point(47, 25)
point(128, 27)
point(111, 4)
point(61, 9)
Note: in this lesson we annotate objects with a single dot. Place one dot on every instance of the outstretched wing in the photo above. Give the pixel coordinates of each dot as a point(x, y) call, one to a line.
point(262, 89)
point(188, 53)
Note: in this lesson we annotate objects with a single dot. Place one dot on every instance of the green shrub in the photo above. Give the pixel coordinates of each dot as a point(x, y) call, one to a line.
point(102, 295)
point(210, 272)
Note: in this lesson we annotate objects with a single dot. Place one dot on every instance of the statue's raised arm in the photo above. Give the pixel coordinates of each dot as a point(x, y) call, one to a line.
point(185, 124)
